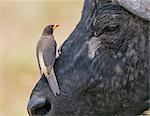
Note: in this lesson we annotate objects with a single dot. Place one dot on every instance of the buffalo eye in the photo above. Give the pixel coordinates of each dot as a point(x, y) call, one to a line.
point(112, 28)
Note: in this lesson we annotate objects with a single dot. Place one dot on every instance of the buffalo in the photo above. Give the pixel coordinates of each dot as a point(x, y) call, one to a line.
point(103, 68)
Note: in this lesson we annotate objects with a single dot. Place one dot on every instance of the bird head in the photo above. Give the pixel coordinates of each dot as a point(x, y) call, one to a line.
point(49, 29)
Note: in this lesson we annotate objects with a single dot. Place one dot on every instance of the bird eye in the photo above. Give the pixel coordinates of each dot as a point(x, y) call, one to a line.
point(111, 28)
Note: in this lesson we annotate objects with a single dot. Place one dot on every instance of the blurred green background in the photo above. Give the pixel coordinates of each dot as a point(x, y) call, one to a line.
point(21, 24)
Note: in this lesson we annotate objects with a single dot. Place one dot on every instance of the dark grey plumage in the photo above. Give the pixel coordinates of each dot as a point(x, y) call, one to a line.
point(46, 55)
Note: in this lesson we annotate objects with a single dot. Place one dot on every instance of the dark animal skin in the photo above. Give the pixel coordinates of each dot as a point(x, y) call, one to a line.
point(103, 69)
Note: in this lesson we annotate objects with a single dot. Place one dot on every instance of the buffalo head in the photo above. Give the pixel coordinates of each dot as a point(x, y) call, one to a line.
point(103, 68)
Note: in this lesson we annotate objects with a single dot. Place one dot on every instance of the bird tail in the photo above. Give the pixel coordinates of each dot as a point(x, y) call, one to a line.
point(53, 82)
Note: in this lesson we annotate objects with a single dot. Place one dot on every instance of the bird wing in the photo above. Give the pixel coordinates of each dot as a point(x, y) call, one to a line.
point(46, 54)
point(51, 76)
point(43, 68)
point(49, 52)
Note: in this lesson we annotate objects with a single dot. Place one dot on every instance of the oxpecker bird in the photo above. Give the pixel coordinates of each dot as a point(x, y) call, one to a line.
point(46, 55)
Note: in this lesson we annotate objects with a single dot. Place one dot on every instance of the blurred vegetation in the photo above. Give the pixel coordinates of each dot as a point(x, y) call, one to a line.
point(21, 24)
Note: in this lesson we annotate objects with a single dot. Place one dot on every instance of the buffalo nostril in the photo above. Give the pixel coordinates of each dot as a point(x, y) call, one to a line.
point(44, 109)
point(38, 106)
